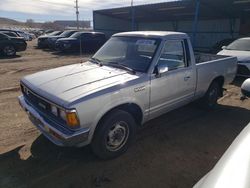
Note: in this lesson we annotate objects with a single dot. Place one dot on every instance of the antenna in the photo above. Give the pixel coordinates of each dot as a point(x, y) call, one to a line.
point(77, 15)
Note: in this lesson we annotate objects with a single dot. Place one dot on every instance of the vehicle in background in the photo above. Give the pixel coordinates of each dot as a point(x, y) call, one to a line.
point(9, 33)
point(245, 88)
point(10, 45)
point(25, 35)
point(52, 39)
point(42, 41)
point(241, 49)
point(133, 78)
point(87, 41)
point(232, 170)
point(218, 46)
point(9, 30)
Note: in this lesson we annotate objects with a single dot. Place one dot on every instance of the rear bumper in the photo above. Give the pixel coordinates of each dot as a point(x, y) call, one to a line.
point(61, 138)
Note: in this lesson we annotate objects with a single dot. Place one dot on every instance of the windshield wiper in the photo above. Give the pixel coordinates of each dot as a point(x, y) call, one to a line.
point(96, 60)
point(122, 66)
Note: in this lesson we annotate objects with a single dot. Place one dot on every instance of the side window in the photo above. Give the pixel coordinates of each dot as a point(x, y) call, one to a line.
point(173, 55)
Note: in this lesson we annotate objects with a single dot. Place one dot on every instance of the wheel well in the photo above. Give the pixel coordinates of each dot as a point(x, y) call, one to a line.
point(220, 80)
point(131, 108)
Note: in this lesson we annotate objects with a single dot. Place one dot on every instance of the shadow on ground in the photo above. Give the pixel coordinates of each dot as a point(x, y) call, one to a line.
point(174, 150)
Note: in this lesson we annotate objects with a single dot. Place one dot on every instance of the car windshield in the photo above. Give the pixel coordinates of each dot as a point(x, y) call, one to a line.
point(131, 52)
point(66, 34)
point(54, 33)
point(76, 35)
point(240, 44)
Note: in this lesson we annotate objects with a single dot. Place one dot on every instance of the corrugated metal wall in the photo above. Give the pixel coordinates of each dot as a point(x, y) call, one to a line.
point(110, 25)
point(209, 32)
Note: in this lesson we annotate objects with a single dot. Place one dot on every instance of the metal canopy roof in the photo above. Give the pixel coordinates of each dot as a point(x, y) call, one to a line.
point(182, 10)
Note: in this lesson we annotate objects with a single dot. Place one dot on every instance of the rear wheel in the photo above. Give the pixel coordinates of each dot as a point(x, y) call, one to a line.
point(209, 101)
point(114, 134)
point(9, 50)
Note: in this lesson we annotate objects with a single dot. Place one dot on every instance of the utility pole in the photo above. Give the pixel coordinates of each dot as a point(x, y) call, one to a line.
point(77, 15)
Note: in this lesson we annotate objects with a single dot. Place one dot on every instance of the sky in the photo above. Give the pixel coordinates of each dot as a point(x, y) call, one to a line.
point(49, 10)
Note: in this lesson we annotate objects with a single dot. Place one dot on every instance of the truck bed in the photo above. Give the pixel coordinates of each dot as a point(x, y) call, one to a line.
point(209, 67)
point(203, 57)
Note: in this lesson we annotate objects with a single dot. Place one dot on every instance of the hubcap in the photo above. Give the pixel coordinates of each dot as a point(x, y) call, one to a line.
point(117, 136)
point(9, 50)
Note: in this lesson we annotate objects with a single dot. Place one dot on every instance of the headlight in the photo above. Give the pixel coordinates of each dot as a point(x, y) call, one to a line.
point(70, 116)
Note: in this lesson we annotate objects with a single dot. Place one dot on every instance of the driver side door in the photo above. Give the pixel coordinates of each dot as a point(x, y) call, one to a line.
point(175, 87)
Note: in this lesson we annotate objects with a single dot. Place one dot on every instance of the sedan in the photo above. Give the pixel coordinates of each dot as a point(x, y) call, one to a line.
point(10, 45)
point(52, 39)
point(42, 41)
point(86, 41)
point(241, 49)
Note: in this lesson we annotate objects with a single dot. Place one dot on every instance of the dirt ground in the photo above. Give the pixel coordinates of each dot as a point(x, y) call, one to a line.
point(174, 150)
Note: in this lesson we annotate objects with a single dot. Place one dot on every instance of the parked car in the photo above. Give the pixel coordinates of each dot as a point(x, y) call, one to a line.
point(87, 41)
point(9, 30)
point(52, 39)
point(245, 88)
point(232, 170)
point(241, 49)
point(9, 33)
point(132, 78)
point(10, 45)
point(218, 46)
point(42, 41)
point(25, 35)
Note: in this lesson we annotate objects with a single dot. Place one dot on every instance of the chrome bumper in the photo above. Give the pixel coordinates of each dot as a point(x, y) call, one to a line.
point(66, 138)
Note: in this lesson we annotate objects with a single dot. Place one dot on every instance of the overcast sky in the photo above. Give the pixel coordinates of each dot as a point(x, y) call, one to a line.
point(48, 10)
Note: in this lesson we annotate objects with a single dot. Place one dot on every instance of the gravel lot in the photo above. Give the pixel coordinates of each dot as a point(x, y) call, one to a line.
point(174, 150)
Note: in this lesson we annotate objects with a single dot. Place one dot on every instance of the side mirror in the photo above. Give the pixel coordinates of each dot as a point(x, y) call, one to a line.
point(161, 68)
point(245, 88)
point(224, 47)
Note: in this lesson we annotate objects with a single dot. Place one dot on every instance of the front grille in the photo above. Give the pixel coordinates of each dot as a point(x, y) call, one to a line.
point(243, 70)
point(40, 104)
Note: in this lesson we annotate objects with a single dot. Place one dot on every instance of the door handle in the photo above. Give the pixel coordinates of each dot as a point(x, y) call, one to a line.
point(186, 78)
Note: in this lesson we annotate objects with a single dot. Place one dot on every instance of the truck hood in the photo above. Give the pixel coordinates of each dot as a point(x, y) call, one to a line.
point(241, 55)
point(66, 84)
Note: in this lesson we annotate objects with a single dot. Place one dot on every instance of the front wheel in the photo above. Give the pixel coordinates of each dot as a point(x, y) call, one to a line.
point(114, 134)
point(9, 50)
point(209, 101)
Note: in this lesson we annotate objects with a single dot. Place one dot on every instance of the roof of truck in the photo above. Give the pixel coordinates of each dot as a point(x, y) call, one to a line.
point(154, 34)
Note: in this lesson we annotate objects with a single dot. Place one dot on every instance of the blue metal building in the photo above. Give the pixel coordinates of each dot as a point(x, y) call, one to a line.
point(206, 21)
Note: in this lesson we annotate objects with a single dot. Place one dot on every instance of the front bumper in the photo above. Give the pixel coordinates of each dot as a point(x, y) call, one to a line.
point(60, 137)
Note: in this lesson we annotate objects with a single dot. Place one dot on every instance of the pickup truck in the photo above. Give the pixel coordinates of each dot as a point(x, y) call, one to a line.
point(133, 78)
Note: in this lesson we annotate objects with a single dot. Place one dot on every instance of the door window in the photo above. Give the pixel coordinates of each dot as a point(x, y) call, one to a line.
point(173, 55)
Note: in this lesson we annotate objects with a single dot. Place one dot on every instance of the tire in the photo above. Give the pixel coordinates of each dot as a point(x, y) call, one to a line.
point(209, 101)
point(9, 50)
point(114, 134)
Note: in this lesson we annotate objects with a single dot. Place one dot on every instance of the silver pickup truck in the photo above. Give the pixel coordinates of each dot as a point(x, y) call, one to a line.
point(134, 77)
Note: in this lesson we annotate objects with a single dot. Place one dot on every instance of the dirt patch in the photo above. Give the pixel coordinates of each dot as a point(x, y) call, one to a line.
point(174, 150)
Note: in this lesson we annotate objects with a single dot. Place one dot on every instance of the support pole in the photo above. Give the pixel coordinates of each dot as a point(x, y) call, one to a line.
point(195, 24)
point(132, 16)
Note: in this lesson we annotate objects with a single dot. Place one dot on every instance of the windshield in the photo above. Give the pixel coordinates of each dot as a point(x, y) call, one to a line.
point(54, 33)
point(132, 52)
point(76, 35)
point(66, 33)
point(240, 44)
